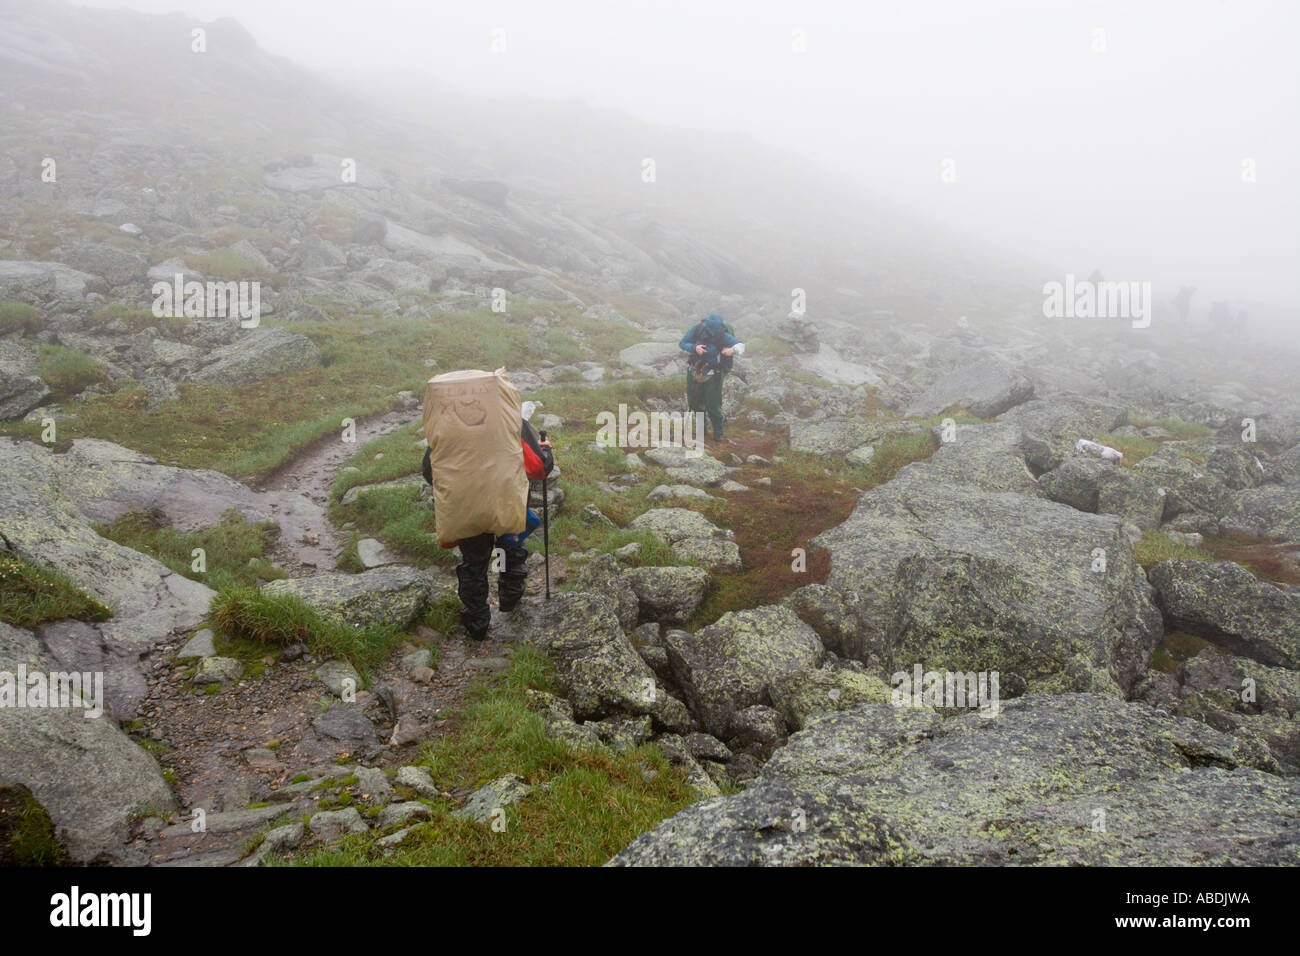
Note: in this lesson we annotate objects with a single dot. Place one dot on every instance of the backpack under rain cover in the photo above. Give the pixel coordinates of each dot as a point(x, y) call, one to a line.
point(472, 420)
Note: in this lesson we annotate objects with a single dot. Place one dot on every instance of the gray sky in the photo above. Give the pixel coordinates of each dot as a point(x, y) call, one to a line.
point(1128, 159)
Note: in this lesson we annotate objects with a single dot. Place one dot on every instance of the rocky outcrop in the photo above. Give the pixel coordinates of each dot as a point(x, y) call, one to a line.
point(394, 594)
point(737, 661)
point(981, 383)
point(596, 665)
point(43, 521)
point(258, 354)
point(669, 595)
point(953, 577)
point(1237, 696)
point(692, 537)
point(1224, 603)
point(90, 777)
point(1081, 780)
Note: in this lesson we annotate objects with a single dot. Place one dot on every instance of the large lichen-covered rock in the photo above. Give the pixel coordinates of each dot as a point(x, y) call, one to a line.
point(91, 778)
point(669, 595)
point(19, 394)
point(1130, 496)
point(832, 437)
point(736, 661)
point(1051, 427)
point(1271, 511)
point(716, 554)
point(43, 522)
point(258, 354)
point(990, 457)
point(596, 666)
point(394, 594)
point(834, 614)
point(1235, 464)
point(692, 466)
point(1081, 779)
point(806, 692)
point(982, 383)
point(1188, 486)
point(674, 524)
point(1074, 482)
point(954, 577)
point(602, 575)
point(1241, 697)
point(1223, 602)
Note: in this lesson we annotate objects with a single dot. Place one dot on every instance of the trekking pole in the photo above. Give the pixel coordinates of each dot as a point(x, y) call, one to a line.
point(546, 528)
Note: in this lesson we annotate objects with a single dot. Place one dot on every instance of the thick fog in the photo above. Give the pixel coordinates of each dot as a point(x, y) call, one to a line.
point(1153, 141)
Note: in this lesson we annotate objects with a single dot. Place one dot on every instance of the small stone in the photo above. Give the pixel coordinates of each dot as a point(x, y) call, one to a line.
point(418, 779)
point(393, 839)
point(398, 813)
point(373, 554)
point(218, 670)
point(373, 783)
point(260, 758)
point(331, 825)
point(340, 677)
point(417, 662)
point(501, 792)
point(202, 644)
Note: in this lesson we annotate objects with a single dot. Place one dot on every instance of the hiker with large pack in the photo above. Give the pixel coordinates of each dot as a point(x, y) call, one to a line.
point(481, 456)
point(711, 346)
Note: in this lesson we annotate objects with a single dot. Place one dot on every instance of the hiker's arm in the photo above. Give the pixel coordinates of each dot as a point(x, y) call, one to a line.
point(687, 344)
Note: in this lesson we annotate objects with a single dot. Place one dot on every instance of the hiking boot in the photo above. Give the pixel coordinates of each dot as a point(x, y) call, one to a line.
point(510, 591)
point(512, 581)
point(474, 624)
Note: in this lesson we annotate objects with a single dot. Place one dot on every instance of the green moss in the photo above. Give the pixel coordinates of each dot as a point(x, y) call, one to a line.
point(26, 831)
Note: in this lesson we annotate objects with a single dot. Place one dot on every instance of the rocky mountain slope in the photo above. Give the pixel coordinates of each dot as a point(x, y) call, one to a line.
point(915, 434)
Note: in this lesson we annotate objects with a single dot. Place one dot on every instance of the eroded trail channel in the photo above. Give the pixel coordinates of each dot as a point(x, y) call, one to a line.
point(256, 751)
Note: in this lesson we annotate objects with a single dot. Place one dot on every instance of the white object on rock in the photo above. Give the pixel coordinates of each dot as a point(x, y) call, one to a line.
point(130, 228)
point(1092, 447)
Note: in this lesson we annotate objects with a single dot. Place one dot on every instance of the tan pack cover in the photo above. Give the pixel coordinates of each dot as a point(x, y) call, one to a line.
point(472, 420)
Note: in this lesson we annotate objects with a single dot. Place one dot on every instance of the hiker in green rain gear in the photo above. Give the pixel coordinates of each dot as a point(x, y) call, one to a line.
point(712, 349)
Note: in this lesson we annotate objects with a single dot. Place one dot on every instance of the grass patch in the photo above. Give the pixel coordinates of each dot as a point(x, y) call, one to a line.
point(234, 550)
point(1133, 447)
point(248, 430)
point(19, 317)
point(584, 808)
point(282, 619)
point(136, 320)
point(67, 371)
point(1156, 546)
point(1179, 429)
point(443, 615)
point(31, 595)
